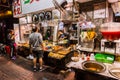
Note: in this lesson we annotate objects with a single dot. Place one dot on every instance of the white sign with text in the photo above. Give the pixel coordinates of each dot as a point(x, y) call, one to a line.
point(29, 6)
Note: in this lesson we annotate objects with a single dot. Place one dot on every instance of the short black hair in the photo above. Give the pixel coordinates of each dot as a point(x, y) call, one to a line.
point(10, 30)
point(34, 28)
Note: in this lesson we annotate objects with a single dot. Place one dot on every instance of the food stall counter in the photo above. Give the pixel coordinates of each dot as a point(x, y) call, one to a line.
point(79, 70)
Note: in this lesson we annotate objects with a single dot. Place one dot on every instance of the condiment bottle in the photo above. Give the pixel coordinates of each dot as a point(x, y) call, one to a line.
point(88, 57)
point(82, 56)
point(92, 56)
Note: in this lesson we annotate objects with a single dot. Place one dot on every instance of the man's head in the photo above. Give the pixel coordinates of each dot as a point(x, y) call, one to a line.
point(35, 29)
point(11, 31)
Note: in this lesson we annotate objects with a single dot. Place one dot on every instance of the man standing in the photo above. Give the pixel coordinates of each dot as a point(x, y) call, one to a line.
point(36, 44)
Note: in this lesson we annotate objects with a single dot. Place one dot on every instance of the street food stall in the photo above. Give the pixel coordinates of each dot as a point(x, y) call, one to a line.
point(48, 16)
point(101, 61)
point(87, 52)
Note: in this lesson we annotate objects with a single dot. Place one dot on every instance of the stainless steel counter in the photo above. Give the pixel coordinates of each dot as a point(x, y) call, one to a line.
point(78, 65)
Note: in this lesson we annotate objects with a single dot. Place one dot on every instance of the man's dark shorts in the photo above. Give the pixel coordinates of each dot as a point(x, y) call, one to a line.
point(38, 53)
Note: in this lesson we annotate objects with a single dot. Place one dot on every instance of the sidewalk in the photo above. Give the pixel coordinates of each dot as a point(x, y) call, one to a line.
point(21, 69)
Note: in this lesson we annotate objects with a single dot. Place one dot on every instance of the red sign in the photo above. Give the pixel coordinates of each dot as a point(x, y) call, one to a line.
point(17, 7)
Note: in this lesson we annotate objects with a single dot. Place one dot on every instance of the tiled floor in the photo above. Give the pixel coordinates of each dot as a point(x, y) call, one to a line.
point(21, 69)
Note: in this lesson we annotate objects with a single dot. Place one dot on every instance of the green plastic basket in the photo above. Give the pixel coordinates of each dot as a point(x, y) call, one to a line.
point(104, 58)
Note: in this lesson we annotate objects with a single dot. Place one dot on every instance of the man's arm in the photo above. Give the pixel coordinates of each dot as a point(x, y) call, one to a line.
point(41, 42)
point(43, 47)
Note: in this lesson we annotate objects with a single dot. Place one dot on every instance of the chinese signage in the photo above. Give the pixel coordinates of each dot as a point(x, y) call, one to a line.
point(100, 10)
point(17, 7)
point(29, 6)
point(29, 1)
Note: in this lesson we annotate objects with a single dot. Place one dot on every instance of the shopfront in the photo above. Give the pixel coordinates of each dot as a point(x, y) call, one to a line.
point(86, 42)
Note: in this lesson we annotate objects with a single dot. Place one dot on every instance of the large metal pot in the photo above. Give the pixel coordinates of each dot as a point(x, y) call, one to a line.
point(93, 66)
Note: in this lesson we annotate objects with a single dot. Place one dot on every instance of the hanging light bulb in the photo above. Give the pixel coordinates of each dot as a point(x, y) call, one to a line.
point(9, 12)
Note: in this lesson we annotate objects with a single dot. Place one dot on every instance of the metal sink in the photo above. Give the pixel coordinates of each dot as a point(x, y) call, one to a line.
point(115, 72)
point(93, 66)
